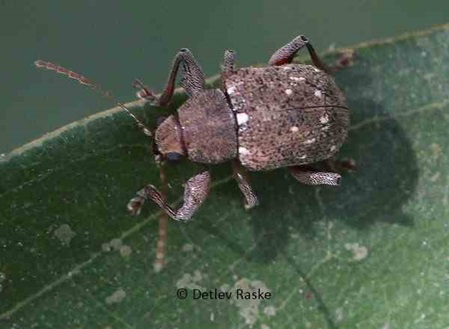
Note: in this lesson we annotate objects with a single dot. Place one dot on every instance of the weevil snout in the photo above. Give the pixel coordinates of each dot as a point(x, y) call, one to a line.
point(168, 139)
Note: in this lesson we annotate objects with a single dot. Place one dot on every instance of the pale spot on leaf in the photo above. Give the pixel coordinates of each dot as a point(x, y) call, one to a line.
point(116, 297)
point(358, 252)
point(64, 234)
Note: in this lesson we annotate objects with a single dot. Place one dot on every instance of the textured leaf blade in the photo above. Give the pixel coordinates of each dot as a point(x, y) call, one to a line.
point(371, 253)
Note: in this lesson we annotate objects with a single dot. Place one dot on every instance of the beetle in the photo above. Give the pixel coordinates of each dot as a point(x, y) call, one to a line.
point(262, 118)
point(284, 115)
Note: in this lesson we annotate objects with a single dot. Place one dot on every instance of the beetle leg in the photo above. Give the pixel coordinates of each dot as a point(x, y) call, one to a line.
point(192, 80)
point(195, 192)
point(285, 54)
point(242, 178)
point(228, 65)
point(144, 92)
point(309, 177)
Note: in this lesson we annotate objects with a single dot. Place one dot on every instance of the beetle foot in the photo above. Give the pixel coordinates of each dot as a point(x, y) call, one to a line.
point(135, 205)
point(144, 92)
point(308, 177)
point(251, 202)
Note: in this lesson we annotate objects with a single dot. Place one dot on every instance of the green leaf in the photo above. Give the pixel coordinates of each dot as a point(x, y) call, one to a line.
point(369, 254)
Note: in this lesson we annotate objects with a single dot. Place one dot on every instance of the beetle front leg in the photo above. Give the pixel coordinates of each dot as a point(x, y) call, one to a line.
point(285, 54)
point(242, 178)
point(192, 80)
point(195, 192)
point(309, 177)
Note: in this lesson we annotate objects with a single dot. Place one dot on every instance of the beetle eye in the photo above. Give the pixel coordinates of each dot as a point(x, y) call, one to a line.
point(173, 156)
point(160, 120)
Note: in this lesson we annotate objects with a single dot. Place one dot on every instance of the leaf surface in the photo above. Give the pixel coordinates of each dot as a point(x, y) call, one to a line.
point(369, 254)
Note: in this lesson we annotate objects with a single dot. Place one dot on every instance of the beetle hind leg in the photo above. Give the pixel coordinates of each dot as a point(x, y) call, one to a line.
point(286, 53)
point(242, 178)
point(195, 192)
point(311, 177)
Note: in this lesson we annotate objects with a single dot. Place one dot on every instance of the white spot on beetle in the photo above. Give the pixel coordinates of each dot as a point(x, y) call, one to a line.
point(294, 129)
point(297, 79)
point(316, 70)
point(289, 92)
point(303, 156)
point(310, 141)
point(317, 93)
point(231, 90)
point(333, 148)
point(243, 151)
point(324, 119)
point(242, 118)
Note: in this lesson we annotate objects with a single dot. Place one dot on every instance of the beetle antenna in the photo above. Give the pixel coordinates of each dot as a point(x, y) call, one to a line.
point(84, 81)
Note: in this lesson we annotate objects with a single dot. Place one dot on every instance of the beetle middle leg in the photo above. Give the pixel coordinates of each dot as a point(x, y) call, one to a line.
point(242, 178)
point(192, 80)
point(228, 65)
point(286, 53)
point(312, 177)
point(195, 192)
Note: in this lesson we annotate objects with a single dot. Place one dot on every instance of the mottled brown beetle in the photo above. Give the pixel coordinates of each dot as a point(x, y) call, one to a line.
point(285, 115)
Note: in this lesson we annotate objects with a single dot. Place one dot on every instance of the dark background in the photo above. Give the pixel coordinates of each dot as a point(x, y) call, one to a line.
point(113, 42)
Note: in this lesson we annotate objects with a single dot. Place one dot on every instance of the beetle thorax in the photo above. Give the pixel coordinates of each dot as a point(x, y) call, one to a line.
point(208, 128)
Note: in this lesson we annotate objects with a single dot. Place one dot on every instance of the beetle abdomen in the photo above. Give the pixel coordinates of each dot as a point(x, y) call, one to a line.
point(287, 115)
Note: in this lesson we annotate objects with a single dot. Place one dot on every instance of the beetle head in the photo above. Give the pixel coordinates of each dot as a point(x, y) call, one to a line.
point(168, 139)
